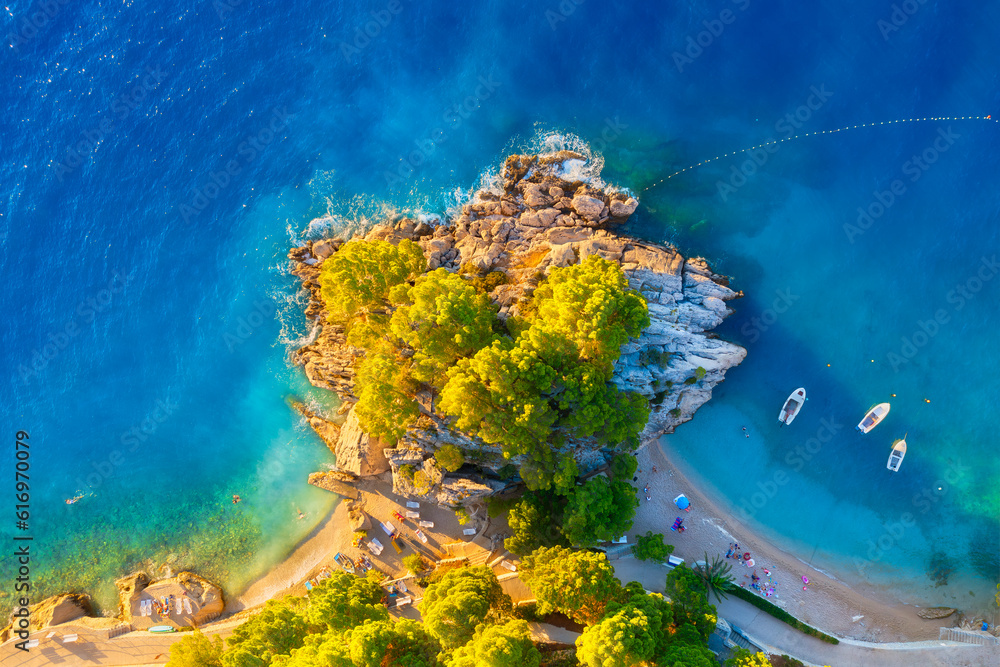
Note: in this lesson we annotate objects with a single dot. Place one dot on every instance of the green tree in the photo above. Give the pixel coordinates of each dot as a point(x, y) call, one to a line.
point(651, 547)
point(414, 563)
point(623, 638)
point(599, 511)
point(579, 584)
point(356, 280)
point(592, 305)
point(196, 650)
point(464, 599)
point(534, 523)
point(716, 577)
point(744, 658)
point(686, 592)
point(327, 649)
point(683, 652)
point(445, 319)
point(507, 645)
point(450, 457)
point(404, 643)
point(623, 467)
point(385, 406)
point(275, 630)
point(344, 601)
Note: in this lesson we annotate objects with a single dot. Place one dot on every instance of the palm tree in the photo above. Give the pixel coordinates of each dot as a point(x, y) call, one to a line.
point(716, 577)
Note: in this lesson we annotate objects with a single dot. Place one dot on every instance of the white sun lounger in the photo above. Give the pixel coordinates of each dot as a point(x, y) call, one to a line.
point(420, 534)
point(425, 524)
point(413, 505)
point(412, 515)
point(178, 606)
point(402, 602)
point(469, 531)
point(508, 565)
point(187, 606)
point(375, 546)
point(389, 529)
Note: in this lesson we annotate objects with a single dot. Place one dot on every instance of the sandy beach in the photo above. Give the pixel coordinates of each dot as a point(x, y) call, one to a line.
point(828, 604)
point(333, 534)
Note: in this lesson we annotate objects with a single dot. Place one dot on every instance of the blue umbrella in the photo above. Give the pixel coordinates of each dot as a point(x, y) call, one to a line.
point(682, 502)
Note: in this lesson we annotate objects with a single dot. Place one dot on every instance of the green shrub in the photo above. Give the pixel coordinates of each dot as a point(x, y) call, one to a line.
point(651, 547)
point(449, 457)
point(462, 515)
point(414, 563)
point(658, 399)
point(421, 482)
point(507, 471)
point(779, 613)
point(406, 472)
point(699, 373)
point(691, 380)
point(675, 413)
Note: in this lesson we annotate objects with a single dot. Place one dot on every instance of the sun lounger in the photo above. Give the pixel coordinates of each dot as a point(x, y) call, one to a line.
point(309, 585)
point(69, 639)
point(425, 524)
point(412, 515)
point(395, 545)
point(401, 585)
point(469, 531)
point(413, 505)
point(187, 606)
point(31, 643)
point(423, 538)
point(402, 602)
point(178, 606)
point(389, 529)
point(508, 565)
point(375, 546)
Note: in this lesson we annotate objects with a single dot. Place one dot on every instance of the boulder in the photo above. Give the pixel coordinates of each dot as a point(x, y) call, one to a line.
point(322, 249)
point(623, 209)
point(329, 481)
point(357, 452)
point(356, 517)
point(588, 207)
point(54, 611)
point(934, 613)
point(535, 197)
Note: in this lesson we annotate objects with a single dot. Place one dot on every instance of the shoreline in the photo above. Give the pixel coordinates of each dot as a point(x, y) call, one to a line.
point(828, 604)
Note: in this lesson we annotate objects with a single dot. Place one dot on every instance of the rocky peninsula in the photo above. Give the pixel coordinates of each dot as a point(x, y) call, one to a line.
point(538, 217)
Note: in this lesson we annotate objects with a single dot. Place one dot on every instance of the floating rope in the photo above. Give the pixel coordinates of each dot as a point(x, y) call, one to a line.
point(817, 133)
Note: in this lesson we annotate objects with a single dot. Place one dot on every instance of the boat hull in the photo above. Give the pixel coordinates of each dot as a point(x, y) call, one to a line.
point(873, 417)
point(790, 410)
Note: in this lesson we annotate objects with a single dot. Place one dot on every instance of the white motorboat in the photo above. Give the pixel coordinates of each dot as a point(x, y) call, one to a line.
point(897, 454)
point(792, 406)
point(872, 418)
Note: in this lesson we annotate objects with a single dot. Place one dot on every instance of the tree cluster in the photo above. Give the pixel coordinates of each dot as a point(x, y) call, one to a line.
point(625, 625)
point(527, 387)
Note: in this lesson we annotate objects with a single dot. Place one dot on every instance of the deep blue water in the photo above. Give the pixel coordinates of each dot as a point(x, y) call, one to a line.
point(156, 164)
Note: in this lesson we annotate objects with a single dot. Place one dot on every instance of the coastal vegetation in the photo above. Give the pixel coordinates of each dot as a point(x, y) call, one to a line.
point(468, 621)
point(531, 385)
point(652, 547)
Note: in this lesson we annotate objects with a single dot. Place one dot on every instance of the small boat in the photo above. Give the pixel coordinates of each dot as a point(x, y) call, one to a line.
point(792, 406)
point(897, 454)
point(344, 562)
point(872, 418)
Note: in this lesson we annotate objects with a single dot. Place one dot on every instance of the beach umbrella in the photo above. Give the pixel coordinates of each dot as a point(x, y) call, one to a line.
point(682, 502)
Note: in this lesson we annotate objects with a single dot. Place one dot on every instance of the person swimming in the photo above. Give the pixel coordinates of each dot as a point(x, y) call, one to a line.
point(70, 501)
point(236, 499)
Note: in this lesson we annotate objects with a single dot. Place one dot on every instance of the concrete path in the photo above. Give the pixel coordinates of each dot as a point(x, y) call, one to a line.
point(781, 638)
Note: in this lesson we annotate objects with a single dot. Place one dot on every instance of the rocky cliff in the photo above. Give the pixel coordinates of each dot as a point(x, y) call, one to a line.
point(534, 220)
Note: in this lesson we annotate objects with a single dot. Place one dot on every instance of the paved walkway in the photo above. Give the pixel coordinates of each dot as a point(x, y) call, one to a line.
point(94, 648)
point(781, 638)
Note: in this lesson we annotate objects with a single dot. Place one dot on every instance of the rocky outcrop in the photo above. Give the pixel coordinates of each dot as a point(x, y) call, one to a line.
point(934, 613)
point(54, 611)
point(206, 597)
point(536, 219)
point(330, 481)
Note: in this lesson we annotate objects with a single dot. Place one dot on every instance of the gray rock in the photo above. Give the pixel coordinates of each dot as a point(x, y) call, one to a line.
point(588, 207)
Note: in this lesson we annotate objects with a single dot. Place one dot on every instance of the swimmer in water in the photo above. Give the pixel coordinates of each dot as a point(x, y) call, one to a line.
point(70, 501)
point(301, 515)
point(236, 499)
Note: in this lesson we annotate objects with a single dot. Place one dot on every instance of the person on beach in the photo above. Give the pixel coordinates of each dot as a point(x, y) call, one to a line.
point(730, 552)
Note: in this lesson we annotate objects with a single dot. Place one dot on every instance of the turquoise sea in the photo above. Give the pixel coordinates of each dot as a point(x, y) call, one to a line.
point(156, 164)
